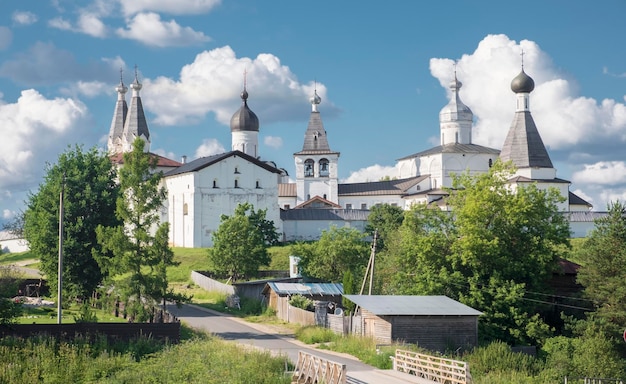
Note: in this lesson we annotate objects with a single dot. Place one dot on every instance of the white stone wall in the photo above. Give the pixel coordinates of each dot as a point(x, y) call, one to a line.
point(312, 229)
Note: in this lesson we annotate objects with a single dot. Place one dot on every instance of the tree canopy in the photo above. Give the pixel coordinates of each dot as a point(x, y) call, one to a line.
point(385, 219)
point(495, 246)
point(338, 250)
point(241, 241)
point(603, 270)
point(90, 193)
point(136, 252)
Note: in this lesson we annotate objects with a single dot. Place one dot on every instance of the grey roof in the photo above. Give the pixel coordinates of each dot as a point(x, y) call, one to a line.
point(244, 119)
point(454, 148)
point(523, 145)
point(305, 289)
point(315, 140)
point(577, 200)
point(386, 187)
point(325, 214)
point(204, 162)
point(585, 216)
point(412, 305)
point(524, 179)
point(136, 124)
point(119, 115)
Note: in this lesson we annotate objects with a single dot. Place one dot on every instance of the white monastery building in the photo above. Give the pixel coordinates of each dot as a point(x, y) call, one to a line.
point(201, 191)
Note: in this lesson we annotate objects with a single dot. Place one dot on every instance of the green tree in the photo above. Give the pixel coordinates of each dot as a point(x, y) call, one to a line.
point(136, 253)
point(603, 270)
point(497, 245)
point(385, 219)
point(9, 284)
point(90, 192)
point(241, 241)
point(338, 250)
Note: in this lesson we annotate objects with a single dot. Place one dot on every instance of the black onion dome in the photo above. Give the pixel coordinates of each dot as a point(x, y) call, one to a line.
point(244, 119)
point(522, 83)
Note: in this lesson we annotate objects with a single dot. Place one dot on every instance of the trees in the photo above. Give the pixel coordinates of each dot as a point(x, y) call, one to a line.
point(136, 253)
point(338, 250)
point(9, 283)
point(89, 200)
point(603, 270)
point(240, 243)
point(495, 246)
point(385, 219)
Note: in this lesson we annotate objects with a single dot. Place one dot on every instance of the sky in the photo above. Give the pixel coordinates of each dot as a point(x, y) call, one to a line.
point(381, 69)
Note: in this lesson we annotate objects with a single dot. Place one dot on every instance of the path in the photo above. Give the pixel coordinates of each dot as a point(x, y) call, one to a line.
point(264, 337)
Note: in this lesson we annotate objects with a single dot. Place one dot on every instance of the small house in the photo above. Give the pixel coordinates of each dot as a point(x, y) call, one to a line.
point(433, 322)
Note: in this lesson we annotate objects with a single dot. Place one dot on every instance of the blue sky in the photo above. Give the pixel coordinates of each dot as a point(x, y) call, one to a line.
point(381, 69)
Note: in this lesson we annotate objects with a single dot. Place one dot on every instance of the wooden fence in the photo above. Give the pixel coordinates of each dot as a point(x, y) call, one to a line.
point(312, 369)
point(437, 369)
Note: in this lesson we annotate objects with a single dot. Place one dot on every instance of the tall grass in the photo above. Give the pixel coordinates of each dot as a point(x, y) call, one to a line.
point(200, 360)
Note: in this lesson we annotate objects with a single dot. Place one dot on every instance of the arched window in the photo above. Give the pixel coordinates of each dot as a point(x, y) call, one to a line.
point(324, 168)
point(214, 183)
point(236, 183)
point(258, 184)
point(308, 168)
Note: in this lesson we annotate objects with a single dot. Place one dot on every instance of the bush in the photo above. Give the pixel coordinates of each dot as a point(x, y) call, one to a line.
point(314, 335)
point(497, 358)
point(301, 302)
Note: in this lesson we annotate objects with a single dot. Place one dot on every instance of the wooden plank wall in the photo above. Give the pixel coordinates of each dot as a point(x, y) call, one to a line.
point(435, 332)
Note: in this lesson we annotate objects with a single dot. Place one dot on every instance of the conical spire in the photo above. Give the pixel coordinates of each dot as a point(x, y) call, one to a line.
point(315, 139)
point(523, 145)
point(135, 124)
point(119, 116)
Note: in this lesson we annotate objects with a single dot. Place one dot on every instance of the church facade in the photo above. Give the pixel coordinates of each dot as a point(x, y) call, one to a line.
point(201, 191)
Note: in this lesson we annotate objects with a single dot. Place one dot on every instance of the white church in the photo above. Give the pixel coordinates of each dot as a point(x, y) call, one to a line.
point(200, 191)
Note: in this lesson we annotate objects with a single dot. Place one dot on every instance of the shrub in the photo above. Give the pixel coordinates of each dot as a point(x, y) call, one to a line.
point(314, 335)
point(301, 302)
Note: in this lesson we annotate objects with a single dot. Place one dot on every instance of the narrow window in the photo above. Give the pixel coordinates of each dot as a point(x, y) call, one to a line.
point(287, 206)
point(308, 168)
point(363, 206)
point(215, 183)
point(490, 163)
point(258, 184)
point(236, 183)
point(324, 196)
point(236, 170)
point(324, 168)
point(348, 206)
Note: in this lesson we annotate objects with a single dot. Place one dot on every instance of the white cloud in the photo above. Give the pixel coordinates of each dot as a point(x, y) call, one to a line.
point(175, 7)
point(164, 153)
point(88, 23)
point(35, 130)
point(209, 147)
point(88, 89)
point(149, 29)
point(273, 141)
point(8, 214)
point(372, 173)
point(91, 25)
point(6, 37)
point(24, 18)
point(604, 173)
point(213, 83)
point(60, 23)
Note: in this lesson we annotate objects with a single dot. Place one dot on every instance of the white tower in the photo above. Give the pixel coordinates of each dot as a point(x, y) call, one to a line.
point(244, 128)
point(455, 119)
point(316, 163)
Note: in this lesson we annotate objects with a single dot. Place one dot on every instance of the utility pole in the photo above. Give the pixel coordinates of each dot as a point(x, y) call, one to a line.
point(60, 273)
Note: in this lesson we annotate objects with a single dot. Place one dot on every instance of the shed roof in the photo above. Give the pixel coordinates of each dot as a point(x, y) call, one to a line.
point(326, 289)
point(412, 305)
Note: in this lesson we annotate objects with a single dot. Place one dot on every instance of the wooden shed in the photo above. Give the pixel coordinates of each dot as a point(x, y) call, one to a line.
point(278, 294)
point(434, 322)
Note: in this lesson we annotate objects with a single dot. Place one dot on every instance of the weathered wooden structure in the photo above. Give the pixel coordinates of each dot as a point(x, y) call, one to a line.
point(437, 369)
point(311, 369)
point(433, 322)
point(277, 296)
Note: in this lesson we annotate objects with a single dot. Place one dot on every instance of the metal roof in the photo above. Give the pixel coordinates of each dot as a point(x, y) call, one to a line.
point(523, 145)
point(305, 289)
point(412, 305)
point(325, 214)
point(204, 162)
point(454, 148)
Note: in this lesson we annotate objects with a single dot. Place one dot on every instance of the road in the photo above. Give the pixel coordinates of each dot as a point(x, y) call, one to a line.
point(264, 337)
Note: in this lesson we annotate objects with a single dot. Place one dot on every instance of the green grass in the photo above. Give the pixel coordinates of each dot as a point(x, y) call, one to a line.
point(190, 259)
point(48, 315)
point(12, 258)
